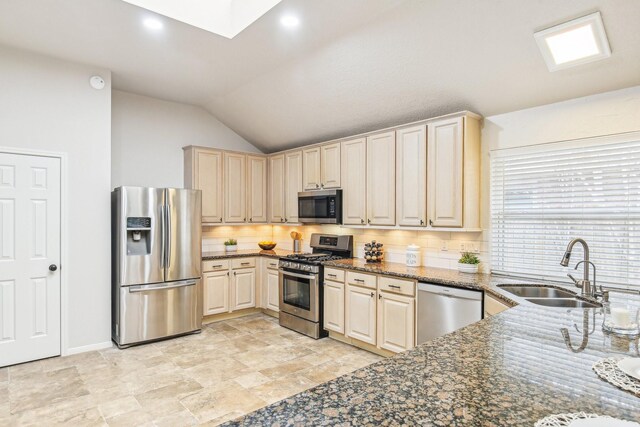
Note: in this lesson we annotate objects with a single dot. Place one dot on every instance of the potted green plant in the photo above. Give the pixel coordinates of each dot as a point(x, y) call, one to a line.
point(231, 245)
point(468, 263)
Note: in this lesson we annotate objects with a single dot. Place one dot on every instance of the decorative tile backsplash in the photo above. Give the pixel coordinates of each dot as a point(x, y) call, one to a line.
point(438, 249)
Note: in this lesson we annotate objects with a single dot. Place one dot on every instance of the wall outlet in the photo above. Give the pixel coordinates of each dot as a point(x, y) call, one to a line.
point(444, 246)
point(463, 247)
point(475, 247)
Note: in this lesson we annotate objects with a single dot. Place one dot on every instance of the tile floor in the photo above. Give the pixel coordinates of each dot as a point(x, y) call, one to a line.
point(232, 368)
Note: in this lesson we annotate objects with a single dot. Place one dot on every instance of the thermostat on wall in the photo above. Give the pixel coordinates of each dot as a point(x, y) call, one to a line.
point(97, 82)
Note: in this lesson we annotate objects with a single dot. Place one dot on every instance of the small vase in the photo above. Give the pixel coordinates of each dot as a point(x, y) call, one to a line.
point(230, 248)
point(467, 268)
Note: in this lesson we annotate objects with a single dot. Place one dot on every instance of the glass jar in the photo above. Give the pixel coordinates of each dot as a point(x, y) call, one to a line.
point(621, 319)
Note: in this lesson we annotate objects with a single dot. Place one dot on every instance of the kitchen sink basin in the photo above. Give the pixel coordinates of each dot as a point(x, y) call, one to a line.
point(564, 302)
point(537, 291)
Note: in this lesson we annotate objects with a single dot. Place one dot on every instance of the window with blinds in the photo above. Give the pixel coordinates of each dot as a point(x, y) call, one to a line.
point(543, 196)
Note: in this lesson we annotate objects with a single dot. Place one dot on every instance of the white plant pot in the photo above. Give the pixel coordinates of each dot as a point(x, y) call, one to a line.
point(467, 268)
point(230, 248)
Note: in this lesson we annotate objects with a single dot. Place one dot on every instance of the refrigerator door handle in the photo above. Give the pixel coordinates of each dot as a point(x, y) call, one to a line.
point(163, 245)
point(161, 287)
point(168, 237)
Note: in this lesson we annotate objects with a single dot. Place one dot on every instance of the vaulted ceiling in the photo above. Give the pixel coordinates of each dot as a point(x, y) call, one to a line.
point(351, 65)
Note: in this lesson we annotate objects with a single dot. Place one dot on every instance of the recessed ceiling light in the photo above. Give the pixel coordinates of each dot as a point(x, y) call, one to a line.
point(153, 23)
point(575, 42)
point(290, 21)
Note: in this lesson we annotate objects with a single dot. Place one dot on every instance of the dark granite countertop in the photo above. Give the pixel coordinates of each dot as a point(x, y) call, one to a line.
point(511, 369)
point(507, 370)
point(275, 253)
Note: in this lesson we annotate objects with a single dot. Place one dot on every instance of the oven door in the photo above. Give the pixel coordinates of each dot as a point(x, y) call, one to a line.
point(299, 294)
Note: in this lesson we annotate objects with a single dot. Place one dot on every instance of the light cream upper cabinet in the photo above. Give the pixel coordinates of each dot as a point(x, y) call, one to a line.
point(354, 182)
point(333, 306)
point(292, 184)
point(311, 168)
point(235, 187)
point(257, 190)
point(277, 188)
point(411, 176)
point(330, 166)
point(396, 322)
point(215, 292)
point(453, 165)
point(381, 179)
point(243, 289)
point(360, 314)
point(203, 171)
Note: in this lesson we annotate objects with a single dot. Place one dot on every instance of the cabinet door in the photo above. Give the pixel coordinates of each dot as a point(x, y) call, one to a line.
point(276, 188)
point(411, 176)
point(293, 184)
point(444, 180)
point(243, 289)
point(215, 292)
point(208, 178)
point(396, 322)
point(334, 306)
point(235, 187)
point(257, 189)
point(354, 182)
point(311, 168)
point(360, 314)
point(273, 290)
point(330, 166)
point(381, 179)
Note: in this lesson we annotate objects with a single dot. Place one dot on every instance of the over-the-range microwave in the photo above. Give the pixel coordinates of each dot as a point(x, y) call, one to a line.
point(320, 207)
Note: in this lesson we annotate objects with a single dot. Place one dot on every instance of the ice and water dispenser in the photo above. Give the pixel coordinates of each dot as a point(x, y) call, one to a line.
point(138, 235)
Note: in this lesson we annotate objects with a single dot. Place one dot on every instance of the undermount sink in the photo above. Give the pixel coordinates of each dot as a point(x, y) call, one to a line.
point(537, 291)
point(564, 302)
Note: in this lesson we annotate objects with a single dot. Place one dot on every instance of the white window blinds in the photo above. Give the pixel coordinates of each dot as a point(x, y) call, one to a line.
point(545, 195)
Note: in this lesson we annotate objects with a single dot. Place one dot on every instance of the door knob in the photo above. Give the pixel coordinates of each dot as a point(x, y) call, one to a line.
point(53, 267)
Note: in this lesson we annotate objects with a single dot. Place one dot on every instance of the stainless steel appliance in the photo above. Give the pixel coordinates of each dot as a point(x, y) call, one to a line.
point(320, 207)
point(155, 272)
point(442, 310)
point(301, 291)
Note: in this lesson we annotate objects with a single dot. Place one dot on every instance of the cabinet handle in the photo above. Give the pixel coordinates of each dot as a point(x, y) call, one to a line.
point(227, 273)
point(217, 266)
point(281, 219)
point(421, 222)
point(361, 221)
point(379, 296)
point(244, 219)
point(431, 223)
point(394, 286)
point(317, 186)
point(245, 263)
point(331, 275)
point(358, 280)
point(322, 185)
point(220, 219)
point(250, 219)
point(369, 221)
point(286, 220)
point(234, 273)
point(372, 294)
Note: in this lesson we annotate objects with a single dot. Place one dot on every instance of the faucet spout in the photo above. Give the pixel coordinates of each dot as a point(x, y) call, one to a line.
point(585, 283)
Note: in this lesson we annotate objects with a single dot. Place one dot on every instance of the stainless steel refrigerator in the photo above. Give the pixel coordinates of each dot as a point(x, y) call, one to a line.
point(156, 255)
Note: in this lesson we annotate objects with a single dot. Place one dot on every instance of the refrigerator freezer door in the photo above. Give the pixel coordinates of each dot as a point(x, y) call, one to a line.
point(183, 233)
point(138, 243)
point(160, 310)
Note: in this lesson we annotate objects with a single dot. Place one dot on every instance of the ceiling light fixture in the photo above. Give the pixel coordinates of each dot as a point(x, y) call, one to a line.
point(573, 43)
point(153, 23)
point(290, 21)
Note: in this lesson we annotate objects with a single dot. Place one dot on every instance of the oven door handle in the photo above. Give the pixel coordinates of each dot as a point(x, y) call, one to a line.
point(301, 276)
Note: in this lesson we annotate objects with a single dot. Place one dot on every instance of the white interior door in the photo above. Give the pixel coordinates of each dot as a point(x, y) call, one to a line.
point(29, 245)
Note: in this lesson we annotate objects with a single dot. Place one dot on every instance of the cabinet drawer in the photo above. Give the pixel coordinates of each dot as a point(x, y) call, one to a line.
point(399, 286)
point(243, 263)
point(492, 306)
point(272, 263)
point(215, 265)
point(360, 279)
point(334, 275)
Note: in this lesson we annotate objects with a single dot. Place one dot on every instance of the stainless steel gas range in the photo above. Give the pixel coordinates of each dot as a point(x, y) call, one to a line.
point(301, 291)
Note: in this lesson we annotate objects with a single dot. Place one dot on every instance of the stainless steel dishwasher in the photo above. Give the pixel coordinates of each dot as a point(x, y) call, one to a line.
point(442, 310)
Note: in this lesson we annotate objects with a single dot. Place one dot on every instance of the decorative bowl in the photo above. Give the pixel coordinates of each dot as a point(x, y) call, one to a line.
point(267, 247)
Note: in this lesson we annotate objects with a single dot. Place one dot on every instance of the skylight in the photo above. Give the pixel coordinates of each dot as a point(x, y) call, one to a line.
point(223, 17)
point(575, 42)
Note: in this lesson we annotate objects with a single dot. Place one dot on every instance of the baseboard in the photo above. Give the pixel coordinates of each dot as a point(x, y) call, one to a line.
point(90, 347)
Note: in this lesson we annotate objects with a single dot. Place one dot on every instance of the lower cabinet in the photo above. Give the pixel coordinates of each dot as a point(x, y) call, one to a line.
point(360, 314)
point(215, 292)
point(272, 290)
point(334, 306)
point(396, 322)
point(243, 289)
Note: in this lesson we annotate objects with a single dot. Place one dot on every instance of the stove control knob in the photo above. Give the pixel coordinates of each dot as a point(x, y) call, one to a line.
point(284, 264)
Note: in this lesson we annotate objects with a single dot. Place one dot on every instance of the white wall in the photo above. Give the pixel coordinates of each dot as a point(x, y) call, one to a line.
point(603, 114)
point(148, 135)
point(47, 104)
